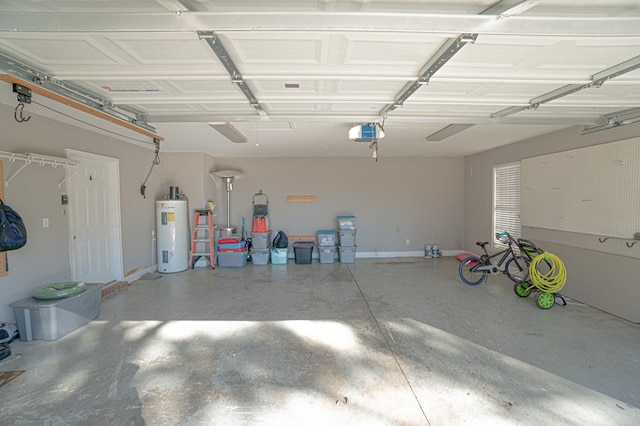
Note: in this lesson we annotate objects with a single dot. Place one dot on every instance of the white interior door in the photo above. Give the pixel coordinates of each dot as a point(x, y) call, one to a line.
point(94, 209)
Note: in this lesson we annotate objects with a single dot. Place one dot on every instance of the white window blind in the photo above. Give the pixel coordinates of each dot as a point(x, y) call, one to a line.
point(506, 201)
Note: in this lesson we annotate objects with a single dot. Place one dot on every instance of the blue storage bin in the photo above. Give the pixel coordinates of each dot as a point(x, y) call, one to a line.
point(279, 256)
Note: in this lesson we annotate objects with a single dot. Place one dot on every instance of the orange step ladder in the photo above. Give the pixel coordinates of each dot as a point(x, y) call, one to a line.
point(202, 235)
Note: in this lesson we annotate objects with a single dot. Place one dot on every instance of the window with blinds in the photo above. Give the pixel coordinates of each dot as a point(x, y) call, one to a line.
point(506, 201)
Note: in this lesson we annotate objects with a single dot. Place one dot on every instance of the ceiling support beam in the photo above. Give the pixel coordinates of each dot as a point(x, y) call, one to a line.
point(236, 77)
point(616, 119)
point(426, 23)
point(597, 80)
point(437, 61)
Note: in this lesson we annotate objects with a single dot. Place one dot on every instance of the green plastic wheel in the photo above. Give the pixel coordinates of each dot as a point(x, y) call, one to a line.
point(522, 289)
point(545, 300)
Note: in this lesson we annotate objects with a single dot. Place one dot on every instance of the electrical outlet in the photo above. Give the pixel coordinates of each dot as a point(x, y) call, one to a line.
point(45, 222)
point(408, 241)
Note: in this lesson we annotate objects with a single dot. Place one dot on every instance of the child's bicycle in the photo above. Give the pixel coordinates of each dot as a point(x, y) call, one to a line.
point(473, 270)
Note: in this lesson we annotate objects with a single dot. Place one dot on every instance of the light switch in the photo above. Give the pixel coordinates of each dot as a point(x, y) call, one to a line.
point(45, 222)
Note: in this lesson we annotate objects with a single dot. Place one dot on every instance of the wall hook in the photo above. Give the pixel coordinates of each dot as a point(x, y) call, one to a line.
point(18, 113)
point(631, 244)
point(602, 240)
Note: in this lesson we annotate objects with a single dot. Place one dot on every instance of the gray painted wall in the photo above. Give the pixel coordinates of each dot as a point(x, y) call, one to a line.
point(603, 280)
point(35, 194)
point(395, 199)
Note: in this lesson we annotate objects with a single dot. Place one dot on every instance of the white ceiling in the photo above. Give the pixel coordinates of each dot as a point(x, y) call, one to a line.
point(351, 60)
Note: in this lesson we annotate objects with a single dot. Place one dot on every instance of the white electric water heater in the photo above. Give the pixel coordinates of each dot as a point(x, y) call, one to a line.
point(172, 229)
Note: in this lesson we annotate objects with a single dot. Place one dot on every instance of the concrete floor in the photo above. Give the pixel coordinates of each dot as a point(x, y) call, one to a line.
point(379, 342)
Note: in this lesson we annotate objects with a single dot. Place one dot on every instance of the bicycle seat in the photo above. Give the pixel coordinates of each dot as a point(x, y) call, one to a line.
point(482, 243)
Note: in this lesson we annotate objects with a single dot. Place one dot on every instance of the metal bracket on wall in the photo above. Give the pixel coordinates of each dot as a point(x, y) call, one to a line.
point(41, 160)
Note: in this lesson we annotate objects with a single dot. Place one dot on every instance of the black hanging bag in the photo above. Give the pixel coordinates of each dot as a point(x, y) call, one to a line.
point(281, 240)
point(13, 233)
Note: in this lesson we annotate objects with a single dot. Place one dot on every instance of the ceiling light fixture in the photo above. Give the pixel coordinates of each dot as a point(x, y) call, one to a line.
point(447, 131)
point(229, 132)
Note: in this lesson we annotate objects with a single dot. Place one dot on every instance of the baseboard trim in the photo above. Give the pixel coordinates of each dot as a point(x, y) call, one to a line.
point(139, 273)
point(374, 254)
point(359, 255)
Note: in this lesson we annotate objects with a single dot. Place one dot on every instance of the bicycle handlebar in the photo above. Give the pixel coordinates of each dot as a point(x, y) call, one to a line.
point(504, 237)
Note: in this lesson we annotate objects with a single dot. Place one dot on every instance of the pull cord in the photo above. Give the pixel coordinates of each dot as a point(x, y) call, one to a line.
point(156, 161)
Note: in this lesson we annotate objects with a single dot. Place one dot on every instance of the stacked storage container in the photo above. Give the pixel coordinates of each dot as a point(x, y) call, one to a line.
point(261, 234)
point(279, 256)
point(327, 246)
point(347, 239)
point(232, 253)
point(260, 247)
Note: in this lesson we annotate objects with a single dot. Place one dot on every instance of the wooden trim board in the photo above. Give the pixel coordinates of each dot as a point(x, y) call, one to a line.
point(77, 105)
point(302, 199)
point(301, 237)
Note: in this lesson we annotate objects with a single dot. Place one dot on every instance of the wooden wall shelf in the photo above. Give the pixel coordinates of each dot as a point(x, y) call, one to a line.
point(302, 199)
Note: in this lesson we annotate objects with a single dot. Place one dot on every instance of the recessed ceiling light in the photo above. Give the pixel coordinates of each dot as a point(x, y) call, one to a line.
point(291, 86)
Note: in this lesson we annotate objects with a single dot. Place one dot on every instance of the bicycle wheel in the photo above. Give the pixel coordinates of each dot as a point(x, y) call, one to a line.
point(516, 268)
point(468, 271)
